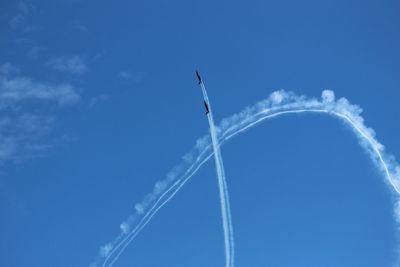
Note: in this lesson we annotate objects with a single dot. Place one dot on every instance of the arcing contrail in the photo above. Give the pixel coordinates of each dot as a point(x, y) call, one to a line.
point(223, 188)
point(279, 103)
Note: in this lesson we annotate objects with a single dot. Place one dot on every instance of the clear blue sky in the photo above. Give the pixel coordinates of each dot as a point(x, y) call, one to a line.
point(98, 101)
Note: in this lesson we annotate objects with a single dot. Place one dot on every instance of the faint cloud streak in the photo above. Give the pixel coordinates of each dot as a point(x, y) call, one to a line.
point(21, 20)
point(98, 99)
point(26, 123)
point(136, 77)
point(124, 74)
point(74, 65)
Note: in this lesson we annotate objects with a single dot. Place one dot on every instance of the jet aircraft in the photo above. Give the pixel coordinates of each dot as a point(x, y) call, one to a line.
point(198, 77)
point(206, 106)
point(201, 84)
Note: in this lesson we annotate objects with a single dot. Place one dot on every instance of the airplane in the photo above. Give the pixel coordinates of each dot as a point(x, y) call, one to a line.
point(200, 82)
point(198, 77)
point(206, 106)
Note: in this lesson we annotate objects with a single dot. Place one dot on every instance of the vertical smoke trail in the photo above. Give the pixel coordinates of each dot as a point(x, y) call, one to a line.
point(223, 189)
point(112, 253)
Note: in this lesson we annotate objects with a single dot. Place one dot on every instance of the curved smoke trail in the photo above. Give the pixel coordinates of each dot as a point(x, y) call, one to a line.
point(279, 103)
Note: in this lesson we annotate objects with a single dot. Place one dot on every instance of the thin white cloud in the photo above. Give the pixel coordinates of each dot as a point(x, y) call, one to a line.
point(21, 20)
point(136, 77)
point(79, 26)
point(7, 147)
point(23, 7)
point(75, 64)
point(34, 124)
point(25, 129)
point(35, 52)
point(98, 99)
point(8, 69)
point(16, 89)
point(22, 137)
point(124, 74)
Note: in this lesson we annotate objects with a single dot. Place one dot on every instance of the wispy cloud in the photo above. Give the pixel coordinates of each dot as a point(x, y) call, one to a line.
point(21, 20)
point(21, 138)
point(17, 89)
point(78, 25)
point(35, 52)
point(24, 128)
point(98, 99)
point(136, 77)
point(8, 69)
point(124, 74)
point(75, 64)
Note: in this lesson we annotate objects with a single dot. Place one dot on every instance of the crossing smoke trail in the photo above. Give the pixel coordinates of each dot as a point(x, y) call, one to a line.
point(279, 103)
point(223, 188)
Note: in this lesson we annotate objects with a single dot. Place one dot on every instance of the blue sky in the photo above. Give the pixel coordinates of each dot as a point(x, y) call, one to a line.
point(98, 101)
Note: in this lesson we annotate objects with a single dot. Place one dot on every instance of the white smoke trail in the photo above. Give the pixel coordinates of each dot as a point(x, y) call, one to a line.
point(222, 186)
point(155, 208)
point(279, 103)
point(224, 199)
